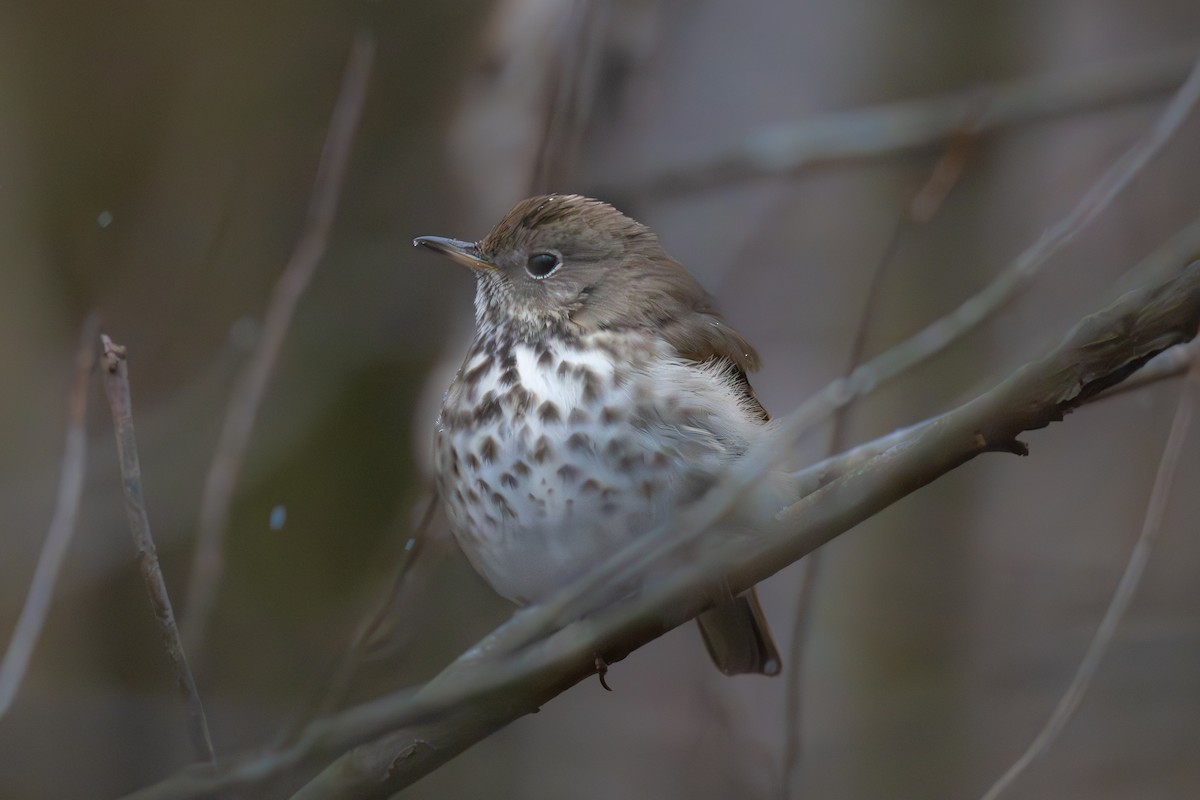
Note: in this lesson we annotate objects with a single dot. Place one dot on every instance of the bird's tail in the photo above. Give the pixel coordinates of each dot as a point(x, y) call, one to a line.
point(738, 638)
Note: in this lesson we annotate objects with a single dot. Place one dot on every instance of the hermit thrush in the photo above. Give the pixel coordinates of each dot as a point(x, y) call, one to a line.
point(601, 392)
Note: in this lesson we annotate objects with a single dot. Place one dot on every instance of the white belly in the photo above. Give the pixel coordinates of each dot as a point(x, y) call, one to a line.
point(546, 476)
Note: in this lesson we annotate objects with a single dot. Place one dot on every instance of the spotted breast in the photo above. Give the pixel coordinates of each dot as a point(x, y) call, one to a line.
point(551, 456)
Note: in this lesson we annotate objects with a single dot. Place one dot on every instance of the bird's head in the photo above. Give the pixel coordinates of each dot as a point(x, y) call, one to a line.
point(574, 264)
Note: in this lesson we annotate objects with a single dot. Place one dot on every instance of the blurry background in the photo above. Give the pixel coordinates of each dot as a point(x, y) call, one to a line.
point(155, 165)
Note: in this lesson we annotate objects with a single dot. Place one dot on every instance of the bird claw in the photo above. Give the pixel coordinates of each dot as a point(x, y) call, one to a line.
point(601, 671)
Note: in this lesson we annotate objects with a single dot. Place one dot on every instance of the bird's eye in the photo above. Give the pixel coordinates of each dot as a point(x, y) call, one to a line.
point(541, 265)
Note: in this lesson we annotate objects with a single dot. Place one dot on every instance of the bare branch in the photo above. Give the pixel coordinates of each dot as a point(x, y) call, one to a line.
point(572, 77)
point(116, 386)
point(889, 130)
point(1170, 363)
point(539, 653)
point(1167, 364)
point(1164, 479)
point(587, 594)
point(794, 690)
point(62, 525)
point(935, 337)
point(369, 628)
point(921, 209)
point(251, 387)
point(481, 692)
point(330, 694)
point(1102, 349)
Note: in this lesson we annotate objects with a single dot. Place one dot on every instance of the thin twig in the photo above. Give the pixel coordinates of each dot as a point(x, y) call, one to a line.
point(794, 691)
point(1164, 479)
point(1168, 364)
point(116, 386)
point(247, 396)
point(62, 525)
point(1100, 351)
point(479, 694)
point(330, 694)
point(412, 551)
point(889, 130)
point(920, 210)
point(572, 87)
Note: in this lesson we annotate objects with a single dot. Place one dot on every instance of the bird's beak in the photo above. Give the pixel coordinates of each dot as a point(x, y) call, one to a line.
point(462, 252)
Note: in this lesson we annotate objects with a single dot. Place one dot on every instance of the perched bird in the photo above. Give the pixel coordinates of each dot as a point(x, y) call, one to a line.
point(601, 393)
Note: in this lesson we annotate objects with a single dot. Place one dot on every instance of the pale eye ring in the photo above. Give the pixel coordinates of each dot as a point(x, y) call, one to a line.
point(543, 265)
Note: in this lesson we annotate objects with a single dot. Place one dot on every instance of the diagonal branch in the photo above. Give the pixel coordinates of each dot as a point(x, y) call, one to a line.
point(251, 387)
point(1130, 579)
point(332, 691)
point(478, 695)
point(62, 526)
point(921, 209)
point(1102, 350)
point(889, 130)
point(116, 385)
point(572, 602)
point(528, 631)
point(1170, 363)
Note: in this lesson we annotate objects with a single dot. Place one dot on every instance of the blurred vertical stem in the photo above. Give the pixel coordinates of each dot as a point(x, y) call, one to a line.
point(1152, 522)
point(247, 396)
point(921, 209)
point(62, 526)
point(330, 694)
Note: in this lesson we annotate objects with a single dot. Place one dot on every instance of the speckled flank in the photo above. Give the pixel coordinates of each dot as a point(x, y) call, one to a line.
point(564, 440)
